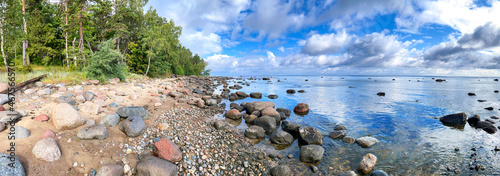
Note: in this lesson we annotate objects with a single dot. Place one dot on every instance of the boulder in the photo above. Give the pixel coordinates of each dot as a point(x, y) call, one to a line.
point(348, 140)
point(473, 120)
point(281, 170)
point(454, 120)
point(65, 99)
point(301, 108)
point(132, 111)
point(258, 106)
point(93, 132)
point(272, 96)
point(241, 94)
point(290, 91)
point(266, 122)
point(113, 105)
point(366, 142)
point(220, 125)
point(311, 153)
point(42, 118)
point(88, 95)
point(10, 165)
point(92, 108)
point(381, 94)
point(255, 132)
point(133, 126)
point(233, 114)
point(21, 132)
point(486, 126)
point(287, 112)
point(250, 118)
point(281, 137)
point(65, 117)
point(167, 150)
point(256, 95)
point(4, 87)
point(311, 135)
point(211, 102)
point(367, 164)
point(301, 91)
point(379, 173)
point(47, 149)
point(110, 170)
point(4, 98)
point(290, 127)
point(269, 111)
point(110, 120)
point(337, 134)
point(153, 166)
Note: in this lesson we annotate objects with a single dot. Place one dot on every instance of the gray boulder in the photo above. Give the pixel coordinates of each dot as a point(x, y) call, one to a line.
point(290, 127)
point(366, 141)
point(311, 135)
point(110, 120)
point(281, 170)
point(256, 95)
point(4, 98)
point(7, 116)
point(281, 137)
point(47, 149)
point(21, 132)
point(88, 95)
point(93, 132)
point(6, 169)
point(311, 153)
point(133, 126)
point(454, 120)
point(266, 122)
point(287, 112)
point(153, 166)
point(220, 125)
point(211, 102)
point(110, 170)
point(132, 111)
point(255, 132)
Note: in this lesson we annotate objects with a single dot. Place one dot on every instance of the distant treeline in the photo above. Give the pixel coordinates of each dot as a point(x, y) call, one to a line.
point(69, 33)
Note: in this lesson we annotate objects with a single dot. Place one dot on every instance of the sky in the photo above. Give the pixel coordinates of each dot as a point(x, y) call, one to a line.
point(340, 37)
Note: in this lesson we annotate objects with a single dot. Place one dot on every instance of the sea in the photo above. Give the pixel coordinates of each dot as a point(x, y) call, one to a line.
point(412, 140)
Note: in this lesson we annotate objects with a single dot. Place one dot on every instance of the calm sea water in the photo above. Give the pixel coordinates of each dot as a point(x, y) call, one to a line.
point(412, 140)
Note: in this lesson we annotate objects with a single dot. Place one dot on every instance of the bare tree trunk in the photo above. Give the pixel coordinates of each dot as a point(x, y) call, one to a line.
point(66, 30)
point(80, 43)
point(74, 55)
point(25, 41)
point(149, 62)
point(3, 54)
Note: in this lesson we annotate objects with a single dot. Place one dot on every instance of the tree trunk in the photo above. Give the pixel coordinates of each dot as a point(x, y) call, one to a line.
point(25, 41)
point(3, 54)
point(66, 30)
point(149, 62)
point(80, 45)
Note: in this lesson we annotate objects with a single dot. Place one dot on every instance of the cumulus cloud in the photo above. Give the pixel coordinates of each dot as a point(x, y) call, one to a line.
point(319, 44)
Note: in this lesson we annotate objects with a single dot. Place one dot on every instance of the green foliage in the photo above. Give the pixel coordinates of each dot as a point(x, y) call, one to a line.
point(206, 72)
point(178, 70)
point(104, 64)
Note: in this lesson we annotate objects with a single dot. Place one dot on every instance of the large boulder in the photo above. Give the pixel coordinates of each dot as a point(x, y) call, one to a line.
point(10, 165)
point(132, 111)
point(153, 166)
point(110, 120)
point(281, 170)
point(367, 164)
point(311, 153)
point(47, 149)
point(486, 126)
point(91, 108)
point(287, 112)
point(473, 120)
point(211, 102)
point(167, 150)
point(241, 94)
point(290, 127)
point(93, 132)
point(311, 135)
point(65, 117)
point(301, 108)
point(366, 142)
point(454, 120)
point(258, 106)
point(255, 132)
point(233, 114)
point(133, 126)
point(250, 118)
point(266, 122)
point(281, 137)
point(269, 111)
point(256, 95)
point(110, 170)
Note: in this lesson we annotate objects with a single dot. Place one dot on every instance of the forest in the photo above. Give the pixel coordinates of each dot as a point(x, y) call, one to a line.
point(104, 38)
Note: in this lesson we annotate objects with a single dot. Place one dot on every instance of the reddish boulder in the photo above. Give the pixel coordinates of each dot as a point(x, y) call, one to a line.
point(167, 150)
point(233, 114)
point(42, 118)
point(48, 134)
point(301, 108)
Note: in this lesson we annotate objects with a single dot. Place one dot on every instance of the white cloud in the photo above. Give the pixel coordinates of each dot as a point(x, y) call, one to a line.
point(319, 44)
point(202, 43)
point(281, 48)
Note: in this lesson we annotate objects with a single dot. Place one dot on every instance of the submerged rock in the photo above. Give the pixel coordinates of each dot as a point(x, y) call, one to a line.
point(454, 120)
point(311, 153)
point(281, 170)
point(367, 164)
point(366, 141)
point(311, 135)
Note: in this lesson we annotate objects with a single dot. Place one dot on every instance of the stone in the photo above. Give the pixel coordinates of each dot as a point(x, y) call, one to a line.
point(266, 122)
point(21, 132)
point(281, 170)
point(301, 108)
point(65, 117)
point(113, 105)
point(241, 94)
point(290, 91)
point(29, 91)
point(233, 114)
point(2, 126)
point(42, 118)
point(290, 127)
point(4, 87)
point(348, 140)
point(473, 120)
point(287, 112)
point(339, 127)
point(167, 150)
point(110, 170)
point(311, 153)
point(281, 137)
point(39, 84)
point(250, 118)
point(132, 111)
point(337, 134)
point(65, 99)
point(379, 173)
point(88, 95)
point(454, 120)
point(133, 126)
point(48, 134)
point(7, 116)
point(4, 98)
point(220, 125)
point(255, 132)
point(272, 96)
point(47, 149)
point(366, 142)
point(92, 108)
point(258, 106)
point(153, 166)
point(10, 165)
point(256, 95)
point(93, 81)
point(269, 111)
point(311, 135)
point(348, 173)
point(211, 102)
point(367, 164)
point(93, 132)
point(110, 120)
point(486, 126)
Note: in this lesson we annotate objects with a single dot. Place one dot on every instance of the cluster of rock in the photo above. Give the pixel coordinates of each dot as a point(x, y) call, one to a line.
point(459, 120)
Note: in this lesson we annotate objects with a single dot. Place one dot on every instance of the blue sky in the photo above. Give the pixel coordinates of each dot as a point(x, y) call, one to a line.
point(340, 37)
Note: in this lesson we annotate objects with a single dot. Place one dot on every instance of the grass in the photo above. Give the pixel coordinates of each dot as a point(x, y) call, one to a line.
point(55, 74)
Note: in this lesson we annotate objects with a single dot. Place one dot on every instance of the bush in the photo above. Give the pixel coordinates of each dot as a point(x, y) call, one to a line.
point(104, 63)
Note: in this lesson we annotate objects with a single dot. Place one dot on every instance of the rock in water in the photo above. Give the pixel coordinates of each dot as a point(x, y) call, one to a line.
point(272, 96)
point(290, 127)
point(281, 170)
point(290, 91)
point(167, 150)
point(337, 134)
point(47, 149)
point(311, 135)
point(311, 153)
point(258, 106)
point(379, 173)
point(133, 126)
point(153, 166)
point(348, 140)
point(486, 126)
point(281, 137)
point(220, 125)
point(366, 141)
point(110, 120)
point(267, 123)
point(348, 173)
point(255, 132)
point(301, 108)
point(21, 132)
point(287, 112)
point(269, 111)
point(367, 164)
point(473, 120)
point(6, 169)
point(93, 132)
point(110, 170)
point(233, 114)
point(454, 120)
point(65, 117)
point(131, 111)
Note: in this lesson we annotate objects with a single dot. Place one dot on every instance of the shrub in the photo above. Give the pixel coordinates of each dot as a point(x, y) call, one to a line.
point(104, 63)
